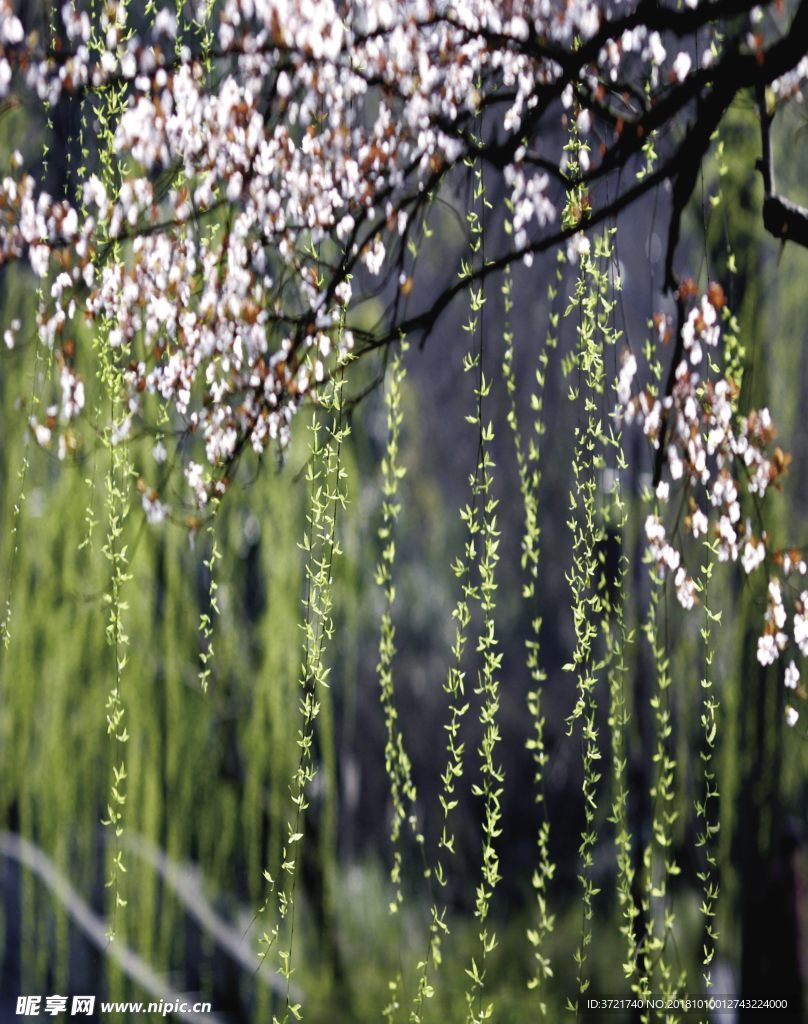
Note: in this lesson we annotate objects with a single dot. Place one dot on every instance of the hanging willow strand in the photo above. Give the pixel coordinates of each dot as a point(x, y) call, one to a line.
point(618, 639)
point(207, 616)
point(734, 361)
point(659, 862)
point(592, 302)
point(396, 760)
point(481, 553)
point(707, 803)
point(655, 968)
point(90, 519)
point(325, 477)
point(110, 104)
point(488, 685)
point(398, 765)
point(529, 470)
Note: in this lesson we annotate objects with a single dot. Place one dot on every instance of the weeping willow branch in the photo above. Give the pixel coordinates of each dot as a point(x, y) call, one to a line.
point(529, 469)
point(708, 824)
point(593, 437)
point(396, 760)
point(618, 638)
point(108, 111)
point(325, 476)
point(481, 551)
point(206, 618)
point(490, 789)
point(659, 863)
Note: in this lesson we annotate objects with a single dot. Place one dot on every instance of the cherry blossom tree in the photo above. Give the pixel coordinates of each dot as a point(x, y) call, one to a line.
point(256, 158)
point(246, 174)
point(324, 130)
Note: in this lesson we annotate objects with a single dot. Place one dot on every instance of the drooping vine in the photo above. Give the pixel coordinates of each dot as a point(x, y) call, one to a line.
point(659, 862)
point(618, 639)
point(396, 759)
point(594, 437)
point(529, 469)
point(114, 549)
point(325, 479)
point(109, 105)
point(708, 801)
point(481, 554)
point(489, 790)
point(206, 617)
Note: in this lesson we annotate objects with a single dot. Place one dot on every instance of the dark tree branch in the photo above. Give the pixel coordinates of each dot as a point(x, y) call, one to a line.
point(785, 220)
point(781, 217)
point(691, 153)
point(765, 165)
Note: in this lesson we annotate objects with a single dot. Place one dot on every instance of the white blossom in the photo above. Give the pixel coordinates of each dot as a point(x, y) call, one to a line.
point(754, 552)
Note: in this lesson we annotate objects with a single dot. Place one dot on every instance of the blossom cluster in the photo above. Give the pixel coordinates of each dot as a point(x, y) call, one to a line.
point(723, 461)
point(270, 154)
